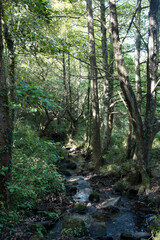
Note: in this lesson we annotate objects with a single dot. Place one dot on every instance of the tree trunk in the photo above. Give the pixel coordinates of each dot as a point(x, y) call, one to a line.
point(69, 83)
point(89, 114)
point(5, 133)
point(96, 155)
point(137, 56)
point(144, 136)
point(152, 77)
point(111, 106)
point(106, 98)
point(131, 138)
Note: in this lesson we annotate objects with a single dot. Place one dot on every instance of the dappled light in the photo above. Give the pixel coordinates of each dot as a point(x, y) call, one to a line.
point(79, 120)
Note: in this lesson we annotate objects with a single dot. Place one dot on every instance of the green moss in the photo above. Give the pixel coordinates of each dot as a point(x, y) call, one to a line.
point(155, 227)
point(80, 208)
point(121, 186)
point(74, 227)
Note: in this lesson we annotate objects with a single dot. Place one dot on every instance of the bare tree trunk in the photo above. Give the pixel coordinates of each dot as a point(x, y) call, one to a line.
point(129, 97)
point(111, 107)
point(106, 98)
point(137, 56)
point(69, 83)
point(5, 133)
point(152, 77)
point(10, 45)
point(96, 155)
point(89, 115)
point(131, 138)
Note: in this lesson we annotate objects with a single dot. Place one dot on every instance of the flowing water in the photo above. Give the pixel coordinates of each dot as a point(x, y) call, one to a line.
point(124, 216)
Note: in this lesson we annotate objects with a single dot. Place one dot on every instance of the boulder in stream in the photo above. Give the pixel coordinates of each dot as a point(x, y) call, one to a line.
point(135, 236)
point(80, 208)
point(111, 202)
point(74, 227)
point(97, 230)
point(94, 197)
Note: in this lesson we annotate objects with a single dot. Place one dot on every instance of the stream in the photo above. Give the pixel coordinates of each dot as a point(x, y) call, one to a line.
point(106, 214)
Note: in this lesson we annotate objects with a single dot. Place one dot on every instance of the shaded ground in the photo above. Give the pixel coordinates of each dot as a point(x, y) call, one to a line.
point(39, 222)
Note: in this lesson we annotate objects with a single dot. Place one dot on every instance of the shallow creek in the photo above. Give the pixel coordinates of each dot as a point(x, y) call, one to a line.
point(124, 216)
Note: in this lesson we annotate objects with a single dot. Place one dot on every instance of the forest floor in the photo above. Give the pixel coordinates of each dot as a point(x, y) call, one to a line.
point(129, 213)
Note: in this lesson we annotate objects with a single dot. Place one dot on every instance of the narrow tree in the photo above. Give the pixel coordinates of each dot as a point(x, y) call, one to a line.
point(96, 156)
point(137, 56)
point(5, 136)
point(144, 132)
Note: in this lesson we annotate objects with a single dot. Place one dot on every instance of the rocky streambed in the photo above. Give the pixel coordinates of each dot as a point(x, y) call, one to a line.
point(97, 211)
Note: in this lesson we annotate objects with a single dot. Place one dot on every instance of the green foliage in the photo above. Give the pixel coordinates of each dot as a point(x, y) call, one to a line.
point(34, 170)
point(155, 227)
point(34, 98)
point(41, 8)
point(34, 174)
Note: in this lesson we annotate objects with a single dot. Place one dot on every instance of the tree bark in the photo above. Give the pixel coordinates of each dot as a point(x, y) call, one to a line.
point(143, 132)
point(5, 131)
point(137, 56)
point(106, 126)
point(152, 77)
point(131, 138)
point(96, 155)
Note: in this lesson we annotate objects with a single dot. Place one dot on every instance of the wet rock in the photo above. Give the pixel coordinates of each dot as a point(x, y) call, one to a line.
point(66, 173)
point(132, 192)
point(97, 230)
point(104, 214)
point(74, 227)
point(101, 217)
point(111, 202)
point(72, 165)
point(135, 236)
point(112, 210)
point(94, 197)
point(80, 208)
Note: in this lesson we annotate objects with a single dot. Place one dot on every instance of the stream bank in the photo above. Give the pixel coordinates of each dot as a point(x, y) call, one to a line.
point(97, 210)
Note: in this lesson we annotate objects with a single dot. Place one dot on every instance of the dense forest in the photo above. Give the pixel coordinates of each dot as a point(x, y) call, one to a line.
point(79, 119)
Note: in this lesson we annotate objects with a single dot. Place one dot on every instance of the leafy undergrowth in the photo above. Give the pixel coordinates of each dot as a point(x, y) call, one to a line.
point(34, 176)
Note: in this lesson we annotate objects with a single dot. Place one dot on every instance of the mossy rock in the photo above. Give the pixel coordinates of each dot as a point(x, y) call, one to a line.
point(126, 167)
point(72, 165)
point(94, 197)
point(134, 178)
point(111, 170)
point(121, 186)
point(155, 225)
point(74, 227)
point(80, 208)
